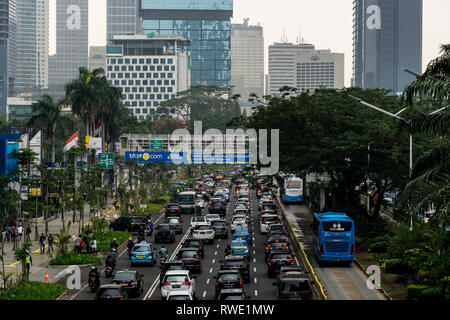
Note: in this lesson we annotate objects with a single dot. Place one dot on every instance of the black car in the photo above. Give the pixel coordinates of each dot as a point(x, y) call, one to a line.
point(232, 294)
point(298, 269)
point(191, 259)
point(237, 263)
point(128, 224)
point(194, 243)
point(278, 259)
point(172, 210)
point(220, 229)
point(294, 287)
point(170, 265)
point(111, 292)
point(277, 235)
point(228, 279)
point(218, 207)
point(164, 233)
point(130, 280)
point(275, 245)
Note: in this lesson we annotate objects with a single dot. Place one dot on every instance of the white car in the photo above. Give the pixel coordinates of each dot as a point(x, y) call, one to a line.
point(201, 203)
point(266, 220)
point(210, 217)
point(203, 232)
point(238, 221)
point(177, 281)
point(179, 295)
point(195, 221)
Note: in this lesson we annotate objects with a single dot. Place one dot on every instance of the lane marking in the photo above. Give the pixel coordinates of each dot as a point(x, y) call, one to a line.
point(211, 270)
point(207, 281)
point(215, 253)
point(256, 280)
point(254, 269)
point(254, 259)
point(204, 294)
point(256, 293)
point(217, 245)
point(214, 261)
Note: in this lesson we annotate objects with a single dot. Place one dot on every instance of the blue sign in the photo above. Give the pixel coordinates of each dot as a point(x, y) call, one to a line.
point(221, 158)
point(56, 165)
point(186, 158)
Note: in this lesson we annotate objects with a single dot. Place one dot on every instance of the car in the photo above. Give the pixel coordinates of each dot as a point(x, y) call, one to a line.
point(240, 248)
point(232, 294)
point(172, 210)
point(238, 221)
point(277, 235)
point(237, 263)
point(128, 224)
point(227, 279)
point(294, 287)
point(220, 228)
point(130, 280)
point(176, 225)
point(218, 207)
point(278, 259)
point(179, 295)
point(194, 243)
point(276, 227)
point(203, 232)
point(191, 259)
point(143, 253)
point(164, 233)
point(266, 220)
point(268, 207)
point(200, 201)
point(210, 217)
point(170, 265)
point(111, 292)
point(275, 245)
point(177, 280)
point(197, 220)
point(297, 269)
point(242, 206)
point(243, 234)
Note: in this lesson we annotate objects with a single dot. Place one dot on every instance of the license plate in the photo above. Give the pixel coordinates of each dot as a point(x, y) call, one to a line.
point(124, 284)
point(238, 250)
point(176, 287)
point(141, 256)
point(296, 298)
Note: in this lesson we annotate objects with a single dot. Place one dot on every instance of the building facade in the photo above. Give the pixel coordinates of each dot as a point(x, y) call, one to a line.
point(319, 69)
point(247, 61)
point(122, 18)
point(97, 58)
point(206, 23)
point(72, 46)
point(8, 28)
point(387, 39)
point(147, 70)
point(282, 71)
point(19, 109)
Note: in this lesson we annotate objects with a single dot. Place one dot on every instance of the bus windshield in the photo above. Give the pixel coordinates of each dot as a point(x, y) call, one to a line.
point(293, 185)
point(186, 198)
point(337, 226)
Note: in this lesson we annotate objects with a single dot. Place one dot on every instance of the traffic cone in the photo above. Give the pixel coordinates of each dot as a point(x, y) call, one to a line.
point(46, 276)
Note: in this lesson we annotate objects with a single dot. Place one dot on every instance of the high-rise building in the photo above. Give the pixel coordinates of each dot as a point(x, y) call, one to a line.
point(247, 61)
point(72, 46)
point(32, 44)
point(282, 71)
point(387, 39)
point(148, 70)
point(52, 70)
point(122, 18)
point(8, 28)
point(206, 23)
point(97, 58)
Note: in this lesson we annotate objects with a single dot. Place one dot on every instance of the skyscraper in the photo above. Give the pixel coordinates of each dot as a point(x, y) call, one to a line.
point(387, 38)
point(97, 58)
point(206, 23)
point(247, 61)
point(8, 25)
point(122, 17)
point(32, 44)
point(72, 46)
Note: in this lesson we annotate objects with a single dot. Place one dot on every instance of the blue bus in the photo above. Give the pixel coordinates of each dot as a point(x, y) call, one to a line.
point(292, 190)
point(333, 237)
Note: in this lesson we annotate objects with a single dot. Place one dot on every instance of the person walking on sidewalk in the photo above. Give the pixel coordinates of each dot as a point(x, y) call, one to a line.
point(93, 246)
point(8, 233)
point(28, 234)
point(42, 243)
point(28, 262)
point(20, 232)
point(50, 240)
point(77, 244)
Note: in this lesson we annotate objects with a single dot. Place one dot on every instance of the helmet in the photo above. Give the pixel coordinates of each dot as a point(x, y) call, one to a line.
point(92, 267)
point(114, 250)
point(130, 238)
point(114, 239)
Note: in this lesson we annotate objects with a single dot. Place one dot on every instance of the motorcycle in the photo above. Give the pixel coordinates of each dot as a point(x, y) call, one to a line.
point(149, 231)
point(109, 271)
point(93, 284)
point(163, 259)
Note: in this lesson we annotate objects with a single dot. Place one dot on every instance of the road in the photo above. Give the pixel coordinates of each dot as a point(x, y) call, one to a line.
point(259, 288)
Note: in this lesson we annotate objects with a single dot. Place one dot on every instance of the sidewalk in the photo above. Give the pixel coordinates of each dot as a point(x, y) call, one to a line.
point(40, 262)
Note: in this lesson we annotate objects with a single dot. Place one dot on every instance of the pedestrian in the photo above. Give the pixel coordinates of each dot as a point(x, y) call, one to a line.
point(28, 261)
point(28, 234)
point(42, 243)
point(8, 233)
point(50, 240)
point(77, 245)
point(13, 235)
point(93, 245)
point(82, 246)
point(20, 232)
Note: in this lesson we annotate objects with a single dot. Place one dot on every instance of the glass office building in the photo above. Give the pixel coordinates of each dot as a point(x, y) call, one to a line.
point(206, 23)
point(8, 26)
point(122, 18)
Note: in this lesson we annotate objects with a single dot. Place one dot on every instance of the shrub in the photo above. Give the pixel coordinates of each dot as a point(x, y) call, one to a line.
point(415, 291)
point(379, 247)
point(434, 293)
point(34, 291)
point(395, 266)
point(104, 240)
point(75, 259)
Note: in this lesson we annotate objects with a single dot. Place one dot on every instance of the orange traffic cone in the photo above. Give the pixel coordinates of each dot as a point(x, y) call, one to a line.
point(46, 276)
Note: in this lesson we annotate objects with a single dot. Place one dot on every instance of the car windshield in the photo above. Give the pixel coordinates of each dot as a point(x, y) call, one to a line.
point(189, 254)
point(175, 278)
point(217, 205)
point(239, 220)
point(269, 219)
point(125, 276)
point(203, 227)
point(295, 285)
point(199, 219)
point(278, 244)
point(174, 221)
point(268, 207)
point(218, 224)
point(179, 297)
point(238, 244)
point(213, 216)
point(173, 207)
point(230, 263)
point(293, 185)
point(193, 243)
point(232, 296)
point(185, 198)
point(281, 256)
point(229, 277)
point(141, 249)
point(177, 266)
point(163, 228)
point(110, 292)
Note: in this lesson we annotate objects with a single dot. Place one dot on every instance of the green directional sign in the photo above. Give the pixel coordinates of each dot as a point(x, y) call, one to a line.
point(156, 144)
point(106, 160)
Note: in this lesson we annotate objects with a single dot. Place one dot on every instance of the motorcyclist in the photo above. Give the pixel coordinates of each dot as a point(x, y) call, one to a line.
point(111, 258)
point(164, 252)
point(141, 233)
point(228, 250)
point(114, 244)
point(150, 226)
point(130, 244)
point(95, 273)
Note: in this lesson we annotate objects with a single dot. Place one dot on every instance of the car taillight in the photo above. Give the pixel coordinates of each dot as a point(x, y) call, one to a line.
point(279, 298)
point(268, 248)
point(187, 283)
point(240, 283)
point(217, 283)
point(271, 261)
point(199, 246)
point(115, 282)
point(133, 224)
point(184, 246)
point(321, 249)
point(96, 297)
point(134, 283)
point(165, 283)
point(163, 271)
point(131, 251)
point(196, 259)
point(286, 248)
point(121, 298)
point(178, 258)
point(290, 260)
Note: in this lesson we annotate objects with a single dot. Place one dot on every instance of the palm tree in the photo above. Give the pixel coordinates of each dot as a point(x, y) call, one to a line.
point(49, 114)
point(430, 179)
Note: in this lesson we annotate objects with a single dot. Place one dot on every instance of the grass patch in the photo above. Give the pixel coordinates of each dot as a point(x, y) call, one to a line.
point(105, 239)
point(75, 259)
point(34, 291)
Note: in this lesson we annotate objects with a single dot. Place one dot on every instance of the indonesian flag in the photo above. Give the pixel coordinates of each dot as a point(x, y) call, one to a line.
point(72, 142)
point(98, 129)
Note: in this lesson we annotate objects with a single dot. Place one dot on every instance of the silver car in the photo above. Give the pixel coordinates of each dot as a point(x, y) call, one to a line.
point(177, 280)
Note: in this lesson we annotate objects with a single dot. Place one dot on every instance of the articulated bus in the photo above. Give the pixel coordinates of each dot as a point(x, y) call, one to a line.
point(333, 237)
point(292, 189)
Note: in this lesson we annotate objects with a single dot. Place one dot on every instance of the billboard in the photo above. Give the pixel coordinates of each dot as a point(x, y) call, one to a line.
point(187, 158)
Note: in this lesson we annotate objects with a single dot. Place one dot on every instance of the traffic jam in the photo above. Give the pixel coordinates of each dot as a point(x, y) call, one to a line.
point(221, 239)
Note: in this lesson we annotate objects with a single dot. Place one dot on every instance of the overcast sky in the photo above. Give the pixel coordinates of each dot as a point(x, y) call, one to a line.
point(325, 23)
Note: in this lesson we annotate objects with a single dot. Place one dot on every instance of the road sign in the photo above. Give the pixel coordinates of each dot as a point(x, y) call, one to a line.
point(35, 191)
point(156, 144)
point(106, 160)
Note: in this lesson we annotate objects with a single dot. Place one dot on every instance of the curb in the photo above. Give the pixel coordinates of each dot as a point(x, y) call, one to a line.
point(78, 265)
point(62, 296)
point(365, 272)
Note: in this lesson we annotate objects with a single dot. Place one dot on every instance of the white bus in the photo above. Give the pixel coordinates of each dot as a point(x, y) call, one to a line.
point(292, 191)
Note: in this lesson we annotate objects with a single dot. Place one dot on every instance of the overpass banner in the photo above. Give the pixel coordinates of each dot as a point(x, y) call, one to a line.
point(187, 158)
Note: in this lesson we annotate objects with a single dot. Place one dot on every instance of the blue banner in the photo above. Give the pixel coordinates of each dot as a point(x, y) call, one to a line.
point(186, 158)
